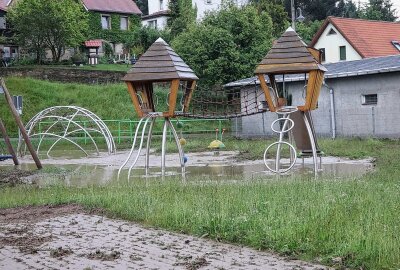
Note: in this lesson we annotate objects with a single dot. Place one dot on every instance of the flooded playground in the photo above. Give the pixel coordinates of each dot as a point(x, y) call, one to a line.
point(72, 169)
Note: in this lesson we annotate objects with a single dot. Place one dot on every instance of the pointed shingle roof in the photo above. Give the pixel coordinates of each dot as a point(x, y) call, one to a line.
point(160, 63)
point(289, 54)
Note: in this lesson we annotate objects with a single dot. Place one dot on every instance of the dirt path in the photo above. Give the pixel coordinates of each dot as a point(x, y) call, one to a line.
point(67, 237)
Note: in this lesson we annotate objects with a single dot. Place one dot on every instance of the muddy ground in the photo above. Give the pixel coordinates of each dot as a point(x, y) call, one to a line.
point(68, 237)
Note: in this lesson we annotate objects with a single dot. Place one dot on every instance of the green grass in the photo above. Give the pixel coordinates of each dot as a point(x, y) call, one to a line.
point(356, 219)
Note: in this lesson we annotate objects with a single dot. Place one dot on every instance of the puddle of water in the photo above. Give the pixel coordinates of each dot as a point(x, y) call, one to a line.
point(87, 175)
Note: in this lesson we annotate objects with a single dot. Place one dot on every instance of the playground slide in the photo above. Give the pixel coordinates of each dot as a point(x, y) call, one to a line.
point(300, 134)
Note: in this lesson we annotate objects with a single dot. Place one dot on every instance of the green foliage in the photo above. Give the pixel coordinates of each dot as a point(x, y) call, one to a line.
point(143, 6)
point(381, 10)
point(115, 34)
point(307, 30)
point(182, 16)
point(47, 24)
point(226, 45)
point(276, 11)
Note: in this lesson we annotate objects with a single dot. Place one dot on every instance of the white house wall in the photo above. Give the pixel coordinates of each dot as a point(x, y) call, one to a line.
point(331, 44)
point(154, 6)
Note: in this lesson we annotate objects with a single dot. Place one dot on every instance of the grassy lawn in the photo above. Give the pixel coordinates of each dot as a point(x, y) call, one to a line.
point(354, 219)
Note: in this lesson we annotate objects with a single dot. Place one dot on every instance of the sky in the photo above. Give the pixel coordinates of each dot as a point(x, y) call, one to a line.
point(396, 5)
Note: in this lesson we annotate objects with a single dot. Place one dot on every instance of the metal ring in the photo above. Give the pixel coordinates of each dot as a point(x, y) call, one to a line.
point(283, 130)
point(291, 164)
point(286, 110)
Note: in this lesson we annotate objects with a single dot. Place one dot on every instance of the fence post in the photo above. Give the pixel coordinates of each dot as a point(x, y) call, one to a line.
point(220, 129)
point(130, 130)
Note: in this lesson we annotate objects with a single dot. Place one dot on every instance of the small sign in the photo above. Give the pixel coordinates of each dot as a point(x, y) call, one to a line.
point(18, 103)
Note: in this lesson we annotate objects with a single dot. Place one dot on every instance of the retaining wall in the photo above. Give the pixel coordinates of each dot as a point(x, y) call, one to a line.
point(71, 75)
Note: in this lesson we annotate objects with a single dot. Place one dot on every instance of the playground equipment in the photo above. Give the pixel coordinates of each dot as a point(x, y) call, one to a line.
point(160, 64)
point(290, 55)
point(64, 123)
point(12, 155)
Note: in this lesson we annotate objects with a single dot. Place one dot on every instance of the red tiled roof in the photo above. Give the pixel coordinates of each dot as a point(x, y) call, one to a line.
point(368, 38)
point(93, 43)
point(117, 6)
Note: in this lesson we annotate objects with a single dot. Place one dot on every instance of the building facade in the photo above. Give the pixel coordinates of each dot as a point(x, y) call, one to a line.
point(158, 11)
point(358, 99)
point(347, 39)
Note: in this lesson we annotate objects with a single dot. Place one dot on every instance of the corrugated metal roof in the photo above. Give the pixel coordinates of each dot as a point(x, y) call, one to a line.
point(117, 6)
point(160, 63)
point(343, 69)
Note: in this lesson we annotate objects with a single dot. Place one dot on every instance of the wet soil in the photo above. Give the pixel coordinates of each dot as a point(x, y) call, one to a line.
point(15, 177)
point(68, 237)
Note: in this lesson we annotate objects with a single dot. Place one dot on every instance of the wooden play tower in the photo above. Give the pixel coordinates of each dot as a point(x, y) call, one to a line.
point(159, 64)
point(290, 56)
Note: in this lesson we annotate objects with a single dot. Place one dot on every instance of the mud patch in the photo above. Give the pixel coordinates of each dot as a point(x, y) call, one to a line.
point(104, 256)
point(43, 238)
point(15, 177)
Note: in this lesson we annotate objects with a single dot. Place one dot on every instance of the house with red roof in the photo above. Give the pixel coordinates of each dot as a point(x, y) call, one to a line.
point(347, 39)
point(110, 22)
point(8, 49)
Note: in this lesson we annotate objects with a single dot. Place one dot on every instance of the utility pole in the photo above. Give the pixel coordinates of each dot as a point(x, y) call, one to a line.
point(293, 14)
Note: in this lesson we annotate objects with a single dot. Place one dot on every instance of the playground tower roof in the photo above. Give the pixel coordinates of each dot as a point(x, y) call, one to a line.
point(160, 63)
point(289, 54)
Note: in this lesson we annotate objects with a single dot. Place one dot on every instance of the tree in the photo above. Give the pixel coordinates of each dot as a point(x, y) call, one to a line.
point(276, 10)
point(49, 24)
point(346, 9)
point(182, 15)
point(307, 30)
point(381, 10)
point(314, 9)
point(227, 45)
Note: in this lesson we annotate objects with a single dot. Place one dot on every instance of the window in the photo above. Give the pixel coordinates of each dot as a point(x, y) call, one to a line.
point(3, 24)
point(105, 22)
point(161, 5)
point(153, 24)
point(331, 32)
point(124, 23)
point(208, 2)
point(369, 99)
point(342, 53)
point(322, 50)
point(396, 44)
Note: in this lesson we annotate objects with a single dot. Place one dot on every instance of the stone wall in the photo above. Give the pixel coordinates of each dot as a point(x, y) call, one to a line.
point(69, 75)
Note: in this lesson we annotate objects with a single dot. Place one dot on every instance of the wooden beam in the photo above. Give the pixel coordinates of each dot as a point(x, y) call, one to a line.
point(20, 124)
point(8, 143)
point(188, 96)
point(135, 100)
point(267, 94)
point(173, 95)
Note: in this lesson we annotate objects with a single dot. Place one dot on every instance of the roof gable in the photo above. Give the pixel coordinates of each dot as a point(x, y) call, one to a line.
point(115, 6)
point(369, 38)
point(160, 63)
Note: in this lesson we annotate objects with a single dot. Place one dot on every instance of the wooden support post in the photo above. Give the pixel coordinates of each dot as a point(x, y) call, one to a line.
point(8, 143)
point(189, 93)
point(20, 124)
point(267, 94)
point(173, 95)
point(135, 100)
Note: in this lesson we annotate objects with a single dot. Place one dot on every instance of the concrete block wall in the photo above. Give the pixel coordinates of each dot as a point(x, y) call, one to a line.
point(352, 118)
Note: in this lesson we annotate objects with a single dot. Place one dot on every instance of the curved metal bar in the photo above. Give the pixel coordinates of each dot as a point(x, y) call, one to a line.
point(149, 136)
point(64, 138)
point(313, 146)
point(75, 123)
point(133, 146)
point(78, 111)
point(179, 146)
point(163, 146)
point(69, 133)
point(278, 170)
point(139, 148)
